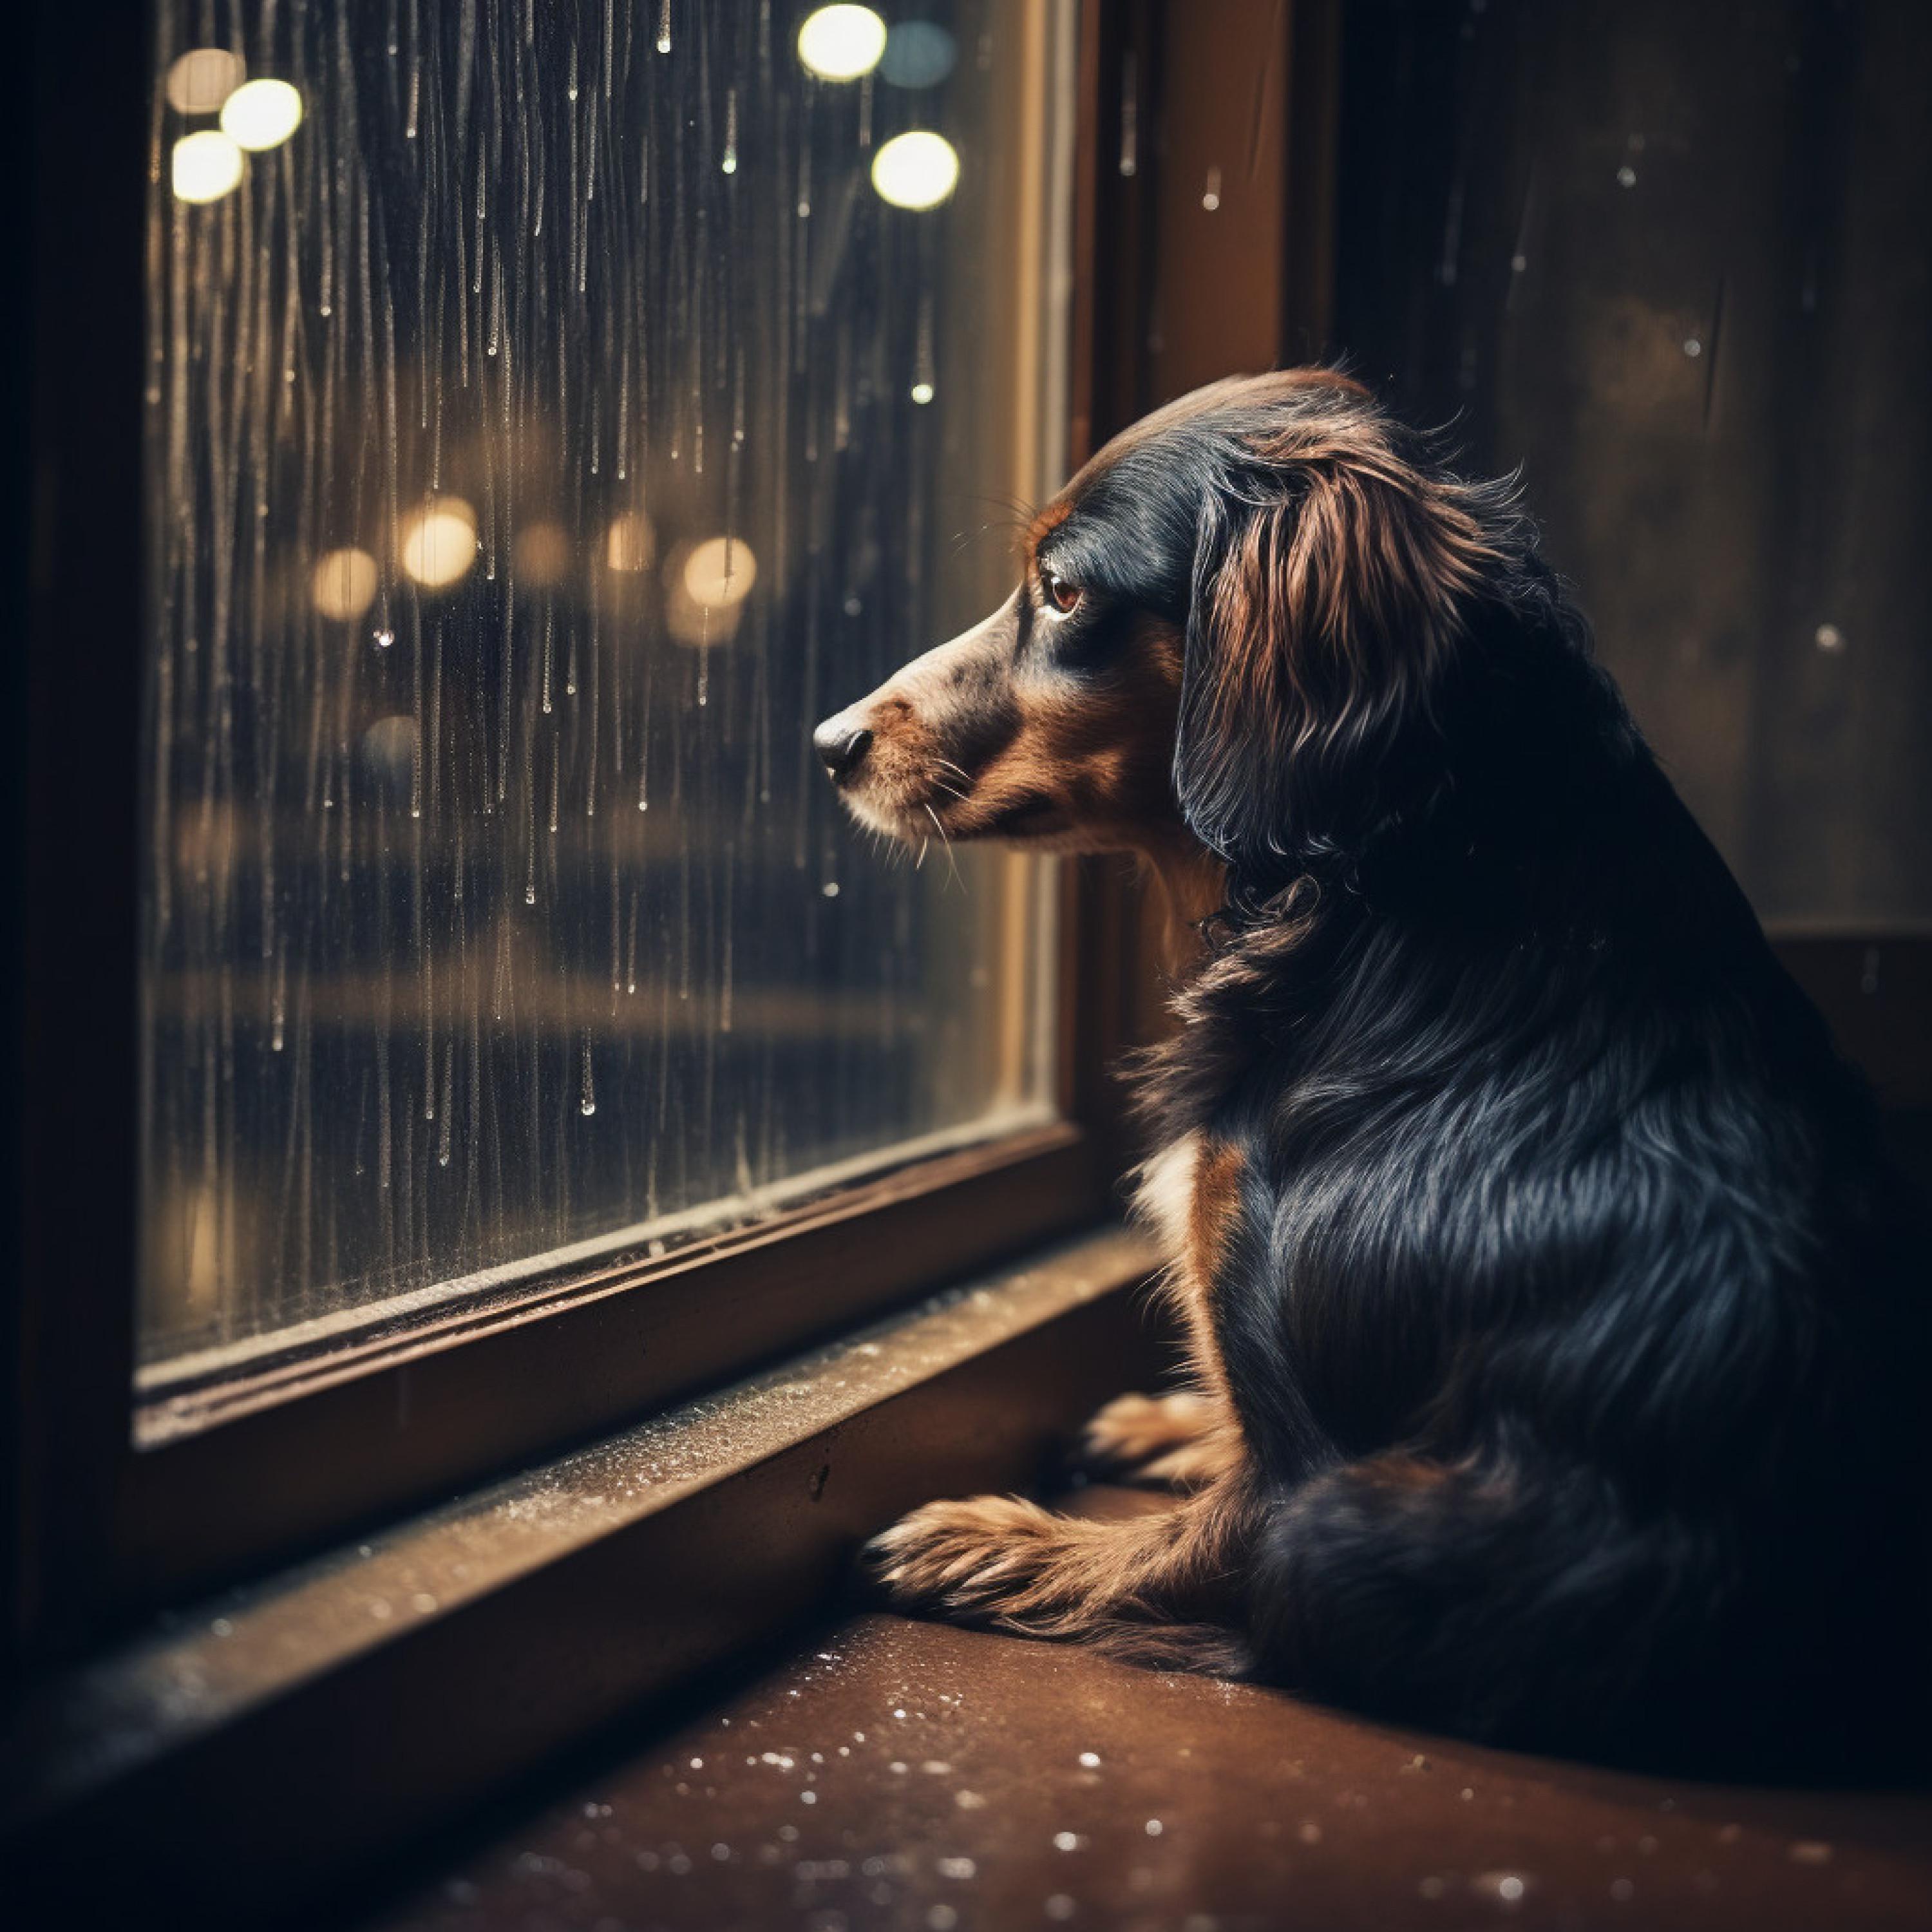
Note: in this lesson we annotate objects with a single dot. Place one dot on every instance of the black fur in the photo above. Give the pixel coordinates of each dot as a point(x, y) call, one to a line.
point(1571, 1314)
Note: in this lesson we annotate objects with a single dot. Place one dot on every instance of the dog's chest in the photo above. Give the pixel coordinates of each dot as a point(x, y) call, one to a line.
point(1164, 1194)
point(1190, 1196)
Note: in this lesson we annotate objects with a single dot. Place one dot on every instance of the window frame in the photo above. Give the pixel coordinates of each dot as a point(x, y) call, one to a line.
point(98, 1531)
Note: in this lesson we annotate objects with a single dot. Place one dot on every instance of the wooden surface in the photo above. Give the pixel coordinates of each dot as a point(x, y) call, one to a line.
point(901, 1775)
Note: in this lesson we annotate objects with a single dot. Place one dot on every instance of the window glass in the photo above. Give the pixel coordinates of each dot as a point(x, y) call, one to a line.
point(555, 407)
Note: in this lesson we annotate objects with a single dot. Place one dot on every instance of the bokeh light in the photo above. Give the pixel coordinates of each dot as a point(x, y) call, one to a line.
point(706, 585)
point(719, 571)
point(543, 554)
point(205, 167)
point(388, 749)
point(261, 114)
point(202, 79)
point(917, 170)
point(631, 543)
point(919, 53)
point(343, 584)
point(439, 542)
point(841, 43)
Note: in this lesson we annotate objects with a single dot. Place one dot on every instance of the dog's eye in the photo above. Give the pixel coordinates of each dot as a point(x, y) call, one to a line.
point(1064, 594)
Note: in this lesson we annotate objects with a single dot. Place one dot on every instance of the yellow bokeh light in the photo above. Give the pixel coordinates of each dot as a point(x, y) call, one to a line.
point(720, 571)
point(261, 114)
point(202, 79)
point(841, 43)
point(439, 542)
point(922, 393)
point(631, 543)
point(344, 585)
point(205, 167)
point(543, 554)
point(917, 170)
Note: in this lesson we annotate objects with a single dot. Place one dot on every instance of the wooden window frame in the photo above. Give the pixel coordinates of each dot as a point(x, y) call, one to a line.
point(95, 1534)
point(98, 1533)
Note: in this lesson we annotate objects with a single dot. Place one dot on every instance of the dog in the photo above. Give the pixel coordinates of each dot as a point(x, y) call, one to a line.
point(1555, 1325)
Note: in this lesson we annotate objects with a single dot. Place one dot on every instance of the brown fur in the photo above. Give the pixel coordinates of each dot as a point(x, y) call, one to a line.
point(1097, 771)
point(1183, 1440)
point(1153, 1588)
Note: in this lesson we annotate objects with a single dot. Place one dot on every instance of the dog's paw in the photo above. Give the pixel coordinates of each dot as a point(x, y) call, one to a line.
point(962, 1558)
point(1144, 1439)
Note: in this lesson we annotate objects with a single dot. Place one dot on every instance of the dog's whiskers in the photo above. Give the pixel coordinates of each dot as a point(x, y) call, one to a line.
point(951, 866)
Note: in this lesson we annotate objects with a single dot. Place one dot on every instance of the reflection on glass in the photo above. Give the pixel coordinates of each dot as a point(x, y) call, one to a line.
point(202, 79)
point(720, 571)
point(345, 584)
point(630, 543)
point(916, 170)
point(261, 114)
point(523, 483)
point(205, 167)
point(841, 43)
point(918, 54)
point(439, 542)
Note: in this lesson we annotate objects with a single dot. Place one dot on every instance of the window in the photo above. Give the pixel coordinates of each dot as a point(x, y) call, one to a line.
point(552, 410)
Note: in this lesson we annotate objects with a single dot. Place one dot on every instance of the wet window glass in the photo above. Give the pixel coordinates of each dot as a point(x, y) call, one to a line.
point(555, 407)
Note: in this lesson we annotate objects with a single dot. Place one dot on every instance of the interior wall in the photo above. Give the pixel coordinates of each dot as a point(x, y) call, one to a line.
point(1676, 262)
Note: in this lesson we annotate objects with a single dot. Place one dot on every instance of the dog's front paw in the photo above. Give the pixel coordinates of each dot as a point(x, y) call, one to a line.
point(1128, 1439)
point(968, 1558)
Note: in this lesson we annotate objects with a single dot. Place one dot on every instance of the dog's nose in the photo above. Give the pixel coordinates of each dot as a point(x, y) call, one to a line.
point(840, 744)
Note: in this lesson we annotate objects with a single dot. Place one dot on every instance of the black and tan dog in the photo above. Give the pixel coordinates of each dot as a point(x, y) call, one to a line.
point(1555, 1341)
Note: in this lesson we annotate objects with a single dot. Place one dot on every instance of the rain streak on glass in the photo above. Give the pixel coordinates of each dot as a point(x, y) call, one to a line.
point(548, 422)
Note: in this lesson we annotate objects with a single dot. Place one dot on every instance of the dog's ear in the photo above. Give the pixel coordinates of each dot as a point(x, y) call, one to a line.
point(1328, 583)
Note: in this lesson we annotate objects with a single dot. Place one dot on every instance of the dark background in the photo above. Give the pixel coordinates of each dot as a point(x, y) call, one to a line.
point(1675, 261)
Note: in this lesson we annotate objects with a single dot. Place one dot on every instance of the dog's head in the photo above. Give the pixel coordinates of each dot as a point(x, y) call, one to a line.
point(1229, 628)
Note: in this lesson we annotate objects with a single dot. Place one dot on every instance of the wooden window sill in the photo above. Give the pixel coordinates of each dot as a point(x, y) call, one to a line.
point(287, 1730)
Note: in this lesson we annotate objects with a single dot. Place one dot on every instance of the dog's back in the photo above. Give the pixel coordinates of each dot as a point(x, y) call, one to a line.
point(1555, 1182)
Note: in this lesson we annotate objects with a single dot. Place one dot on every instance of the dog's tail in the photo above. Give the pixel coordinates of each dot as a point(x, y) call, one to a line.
point(1529, 1604)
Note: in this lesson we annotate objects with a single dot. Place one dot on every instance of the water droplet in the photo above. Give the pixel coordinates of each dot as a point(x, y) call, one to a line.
point(1627, 176)
point(384, 639)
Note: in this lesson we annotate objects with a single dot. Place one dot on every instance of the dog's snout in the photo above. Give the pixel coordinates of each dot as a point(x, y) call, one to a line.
point(840, 744)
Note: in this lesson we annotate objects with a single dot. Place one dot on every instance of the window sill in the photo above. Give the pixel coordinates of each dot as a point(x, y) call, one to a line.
point(297, 1725)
